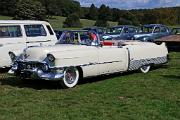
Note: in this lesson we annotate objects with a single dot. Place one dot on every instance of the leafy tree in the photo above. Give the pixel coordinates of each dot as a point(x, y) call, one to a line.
point(104, 13)
point(103, 17)
point(51, 7)
point(101, 23)
point(30, 10)
point(84, 12)
point(178, 15)
point(93, 12)
point(127, 18)
point(72, 21)
point(123, 21)
point(7, 7)
point(115, 14)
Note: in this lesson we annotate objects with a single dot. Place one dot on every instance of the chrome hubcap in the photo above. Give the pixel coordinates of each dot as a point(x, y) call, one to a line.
point(70, 76)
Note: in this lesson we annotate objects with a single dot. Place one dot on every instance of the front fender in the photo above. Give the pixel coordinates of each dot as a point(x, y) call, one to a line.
point(75, 58)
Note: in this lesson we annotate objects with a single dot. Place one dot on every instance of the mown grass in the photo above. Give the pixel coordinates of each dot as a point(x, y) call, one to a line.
point(127, 96)
point(57, 22)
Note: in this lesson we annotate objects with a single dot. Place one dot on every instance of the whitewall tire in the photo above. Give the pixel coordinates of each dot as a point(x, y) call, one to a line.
point(71, 77)
point(145, 68)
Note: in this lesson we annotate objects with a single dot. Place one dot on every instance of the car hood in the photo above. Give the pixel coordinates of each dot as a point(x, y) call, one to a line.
point(40, 53)
point(171, 38)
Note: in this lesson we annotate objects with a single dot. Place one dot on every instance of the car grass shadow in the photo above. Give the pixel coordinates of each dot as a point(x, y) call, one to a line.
point(51, 85)
point(34, 84)
point(174, 49)
point(104, 77)
point(4, 70)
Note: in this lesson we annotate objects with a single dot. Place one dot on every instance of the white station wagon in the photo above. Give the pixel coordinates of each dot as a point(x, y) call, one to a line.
point(15, 35)
point(79, 54)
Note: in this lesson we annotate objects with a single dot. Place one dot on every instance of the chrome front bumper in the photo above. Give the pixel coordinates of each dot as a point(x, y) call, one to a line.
point(36, 73)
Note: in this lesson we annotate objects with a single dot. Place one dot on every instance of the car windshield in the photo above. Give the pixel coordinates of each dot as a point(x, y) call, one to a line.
point(79, 38)
point(175, 31)
point(115, 30)
point(146, 29)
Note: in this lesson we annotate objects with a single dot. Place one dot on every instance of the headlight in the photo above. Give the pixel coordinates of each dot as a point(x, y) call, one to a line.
point(51, 58)
point(144, 38)
point(12, 56)
point(15, 66)
point(45, 67)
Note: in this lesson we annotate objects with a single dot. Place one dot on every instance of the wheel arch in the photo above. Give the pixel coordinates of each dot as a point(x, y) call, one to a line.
point(80, 70)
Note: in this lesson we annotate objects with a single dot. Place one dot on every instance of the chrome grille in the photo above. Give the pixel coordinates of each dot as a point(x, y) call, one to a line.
point(30, 65)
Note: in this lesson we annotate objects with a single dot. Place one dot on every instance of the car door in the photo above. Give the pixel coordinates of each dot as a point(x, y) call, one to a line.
point(164, 31)
point(156, 33)
point(132, 31)
point(112, 59)
point(11, 39)
point(125, 34)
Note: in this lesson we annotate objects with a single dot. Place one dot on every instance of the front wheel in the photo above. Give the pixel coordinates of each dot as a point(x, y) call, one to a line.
point(145, 68)
point(71, 77)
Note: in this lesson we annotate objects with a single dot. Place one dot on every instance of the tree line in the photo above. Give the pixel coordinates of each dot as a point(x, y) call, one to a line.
point(43, 9)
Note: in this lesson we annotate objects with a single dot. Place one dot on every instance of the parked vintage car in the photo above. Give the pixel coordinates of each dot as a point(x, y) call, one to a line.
point(150, 32)
point(122, 32)
point(15, 35)
point(175, 31)
point(79, 54)
point(172, 41)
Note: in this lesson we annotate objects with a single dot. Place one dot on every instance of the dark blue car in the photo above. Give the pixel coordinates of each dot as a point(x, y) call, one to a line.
point(122, 32)
point(175, 31)
point(151, 32)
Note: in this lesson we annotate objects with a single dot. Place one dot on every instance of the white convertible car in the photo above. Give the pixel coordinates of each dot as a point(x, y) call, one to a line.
point(79, 55)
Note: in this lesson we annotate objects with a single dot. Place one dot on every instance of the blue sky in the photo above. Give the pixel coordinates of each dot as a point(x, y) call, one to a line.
point(132, 4)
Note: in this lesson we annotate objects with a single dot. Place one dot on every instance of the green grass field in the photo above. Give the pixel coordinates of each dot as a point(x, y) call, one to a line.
point(57, 22)
point(127, 96)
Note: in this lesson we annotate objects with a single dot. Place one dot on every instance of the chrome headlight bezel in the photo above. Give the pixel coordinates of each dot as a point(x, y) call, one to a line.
point(50, 58)
point(45, 67)
point(12, 56)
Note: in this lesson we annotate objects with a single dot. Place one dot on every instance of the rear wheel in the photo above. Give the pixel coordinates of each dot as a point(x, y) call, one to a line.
point(145, 68)
point(71, 77)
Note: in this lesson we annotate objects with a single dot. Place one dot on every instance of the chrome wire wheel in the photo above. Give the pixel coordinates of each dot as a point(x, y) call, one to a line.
point(71, 77)
point(145, 68)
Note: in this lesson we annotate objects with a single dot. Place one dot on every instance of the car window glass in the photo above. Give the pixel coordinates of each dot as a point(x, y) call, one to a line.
point(132, 30)
point(35, 30)
point(114, 30)
point(100, 31)
point(163, 30)
point(145, 29)
point(126, 30)
point(71, 37)
point(10, 31)
point(50, 30)
point(157, 30)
